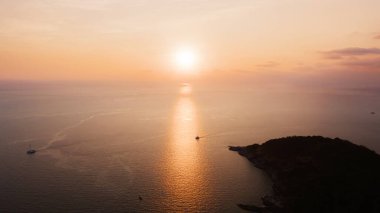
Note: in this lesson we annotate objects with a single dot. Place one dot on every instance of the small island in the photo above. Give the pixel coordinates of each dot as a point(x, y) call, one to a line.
point(316, 174)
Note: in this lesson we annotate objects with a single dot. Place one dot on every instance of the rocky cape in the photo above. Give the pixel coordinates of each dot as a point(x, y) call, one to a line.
point(316, 174)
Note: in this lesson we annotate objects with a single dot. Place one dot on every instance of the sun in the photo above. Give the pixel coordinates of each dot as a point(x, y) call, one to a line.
point(186, 59)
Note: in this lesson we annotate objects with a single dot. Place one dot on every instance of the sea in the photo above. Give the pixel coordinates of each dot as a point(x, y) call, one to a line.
point(131, 147)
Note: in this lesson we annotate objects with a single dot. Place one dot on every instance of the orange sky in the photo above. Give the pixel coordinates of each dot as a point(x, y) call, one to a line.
point(131, 39)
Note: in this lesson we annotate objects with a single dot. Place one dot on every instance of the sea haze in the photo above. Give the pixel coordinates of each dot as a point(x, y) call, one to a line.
point(101, 147)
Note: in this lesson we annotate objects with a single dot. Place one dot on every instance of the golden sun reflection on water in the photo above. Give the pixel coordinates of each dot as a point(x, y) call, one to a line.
point(185, 177)
point(184, 130)
point(185, 89)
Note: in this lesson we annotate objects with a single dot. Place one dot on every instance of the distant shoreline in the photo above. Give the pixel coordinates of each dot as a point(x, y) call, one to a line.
point(316, 174)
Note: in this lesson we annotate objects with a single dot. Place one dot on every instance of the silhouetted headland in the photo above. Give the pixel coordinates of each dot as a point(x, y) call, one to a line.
point(316, 174)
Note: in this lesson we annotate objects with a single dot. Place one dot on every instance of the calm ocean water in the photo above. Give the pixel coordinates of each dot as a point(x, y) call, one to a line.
point(100, 147)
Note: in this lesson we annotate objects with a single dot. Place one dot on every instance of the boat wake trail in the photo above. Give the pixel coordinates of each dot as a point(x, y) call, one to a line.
point(61, 134)
point(24, 140)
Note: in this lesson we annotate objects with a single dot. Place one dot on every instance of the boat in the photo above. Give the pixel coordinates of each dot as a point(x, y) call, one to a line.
point(197, 138)
point(30, 150)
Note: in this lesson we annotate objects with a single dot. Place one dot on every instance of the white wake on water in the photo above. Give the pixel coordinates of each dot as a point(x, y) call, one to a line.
point(61, 134)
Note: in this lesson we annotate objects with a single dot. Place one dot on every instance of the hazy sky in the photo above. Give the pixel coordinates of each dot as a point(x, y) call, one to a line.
point(135, 39)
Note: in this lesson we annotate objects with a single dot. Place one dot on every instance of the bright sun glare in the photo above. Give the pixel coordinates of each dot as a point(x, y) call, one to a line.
point(185, 59)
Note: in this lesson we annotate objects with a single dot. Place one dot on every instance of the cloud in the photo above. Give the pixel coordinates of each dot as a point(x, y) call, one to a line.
point(363, 64)
point(350, 52)
point(353, 59)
